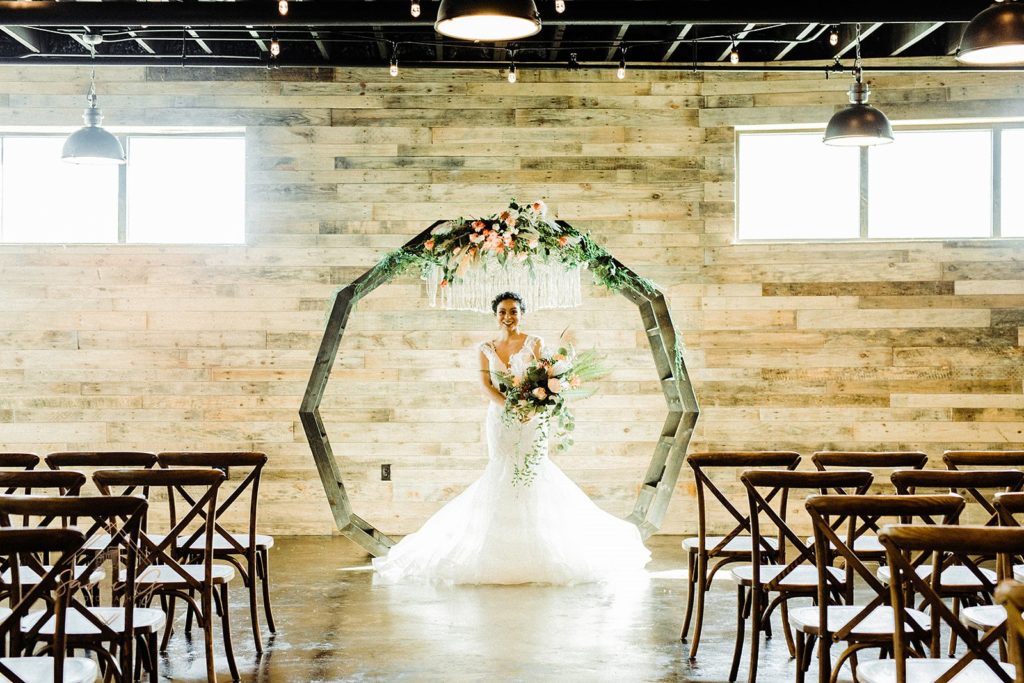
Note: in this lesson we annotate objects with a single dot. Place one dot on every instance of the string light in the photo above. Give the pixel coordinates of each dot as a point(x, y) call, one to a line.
point(512, 77)
point(734, 56)
point(414, 9)
point(573, 64)
point(275, 47)
point(394, 60)
point(621, 71)
point(559, 6)
point(833, 36)
point(282, 7)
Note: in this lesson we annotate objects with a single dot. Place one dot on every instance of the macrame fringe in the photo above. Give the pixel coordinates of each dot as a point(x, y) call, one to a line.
point(546, 286)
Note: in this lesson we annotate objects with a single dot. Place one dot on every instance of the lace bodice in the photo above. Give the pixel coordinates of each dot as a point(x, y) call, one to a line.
point(516, 362)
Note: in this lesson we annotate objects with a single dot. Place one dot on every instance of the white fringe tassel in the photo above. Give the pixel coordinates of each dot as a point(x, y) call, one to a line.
point(549, 285)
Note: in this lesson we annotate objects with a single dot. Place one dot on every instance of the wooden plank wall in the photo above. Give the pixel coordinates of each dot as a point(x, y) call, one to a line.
point(888, 345)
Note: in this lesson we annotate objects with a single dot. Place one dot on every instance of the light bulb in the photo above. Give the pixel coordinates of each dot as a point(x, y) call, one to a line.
point(559, 6)
point(282, 7)
point(512, 77)
point(275, 48)
point(414, 9)
point(621, 71)
point(394, 67)
point(734, 56)
point(833, 37)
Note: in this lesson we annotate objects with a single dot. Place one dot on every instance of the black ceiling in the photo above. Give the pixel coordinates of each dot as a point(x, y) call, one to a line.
point(661, 33)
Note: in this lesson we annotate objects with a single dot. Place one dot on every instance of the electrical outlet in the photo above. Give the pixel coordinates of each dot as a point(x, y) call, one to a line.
point(385, 472)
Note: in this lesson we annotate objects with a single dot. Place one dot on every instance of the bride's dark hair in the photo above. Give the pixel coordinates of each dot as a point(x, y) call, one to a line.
point(505, 296)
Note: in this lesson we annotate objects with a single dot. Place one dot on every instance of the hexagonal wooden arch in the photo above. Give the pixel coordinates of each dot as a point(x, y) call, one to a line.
point(669, 452)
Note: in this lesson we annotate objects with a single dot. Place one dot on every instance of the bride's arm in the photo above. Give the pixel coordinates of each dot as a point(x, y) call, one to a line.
point(485, 382)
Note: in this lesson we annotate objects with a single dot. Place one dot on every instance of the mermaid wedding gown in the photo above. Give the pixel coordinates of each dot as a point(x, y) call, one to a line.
point(495, 532)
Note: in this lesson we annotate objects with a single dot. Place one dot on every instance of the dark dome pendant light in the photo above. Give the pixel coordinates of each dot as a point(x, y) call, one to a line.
point(859, 124)
point(994, 36)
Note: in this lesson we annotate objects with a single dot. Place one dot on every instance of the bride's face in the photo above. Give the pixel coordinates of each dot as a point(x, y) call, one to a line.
point(509, 315)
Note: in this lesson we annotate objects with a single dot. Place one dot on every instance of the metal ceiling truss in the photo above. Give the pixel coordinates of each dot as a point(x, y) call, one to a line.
point(353, 33)
point(659, 481)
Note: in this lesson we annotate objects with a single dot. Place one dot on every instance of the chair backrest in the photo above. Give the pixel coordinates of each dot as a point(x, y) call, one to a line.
point(20, 461)
point(901, 541)
point(201, 513)
point(857, 514)
point(64, 483)
point(1010, 594)
point(960, 459)
point(62, 460)
point(705, 467)
point(869, 460)
point(761, 483)
point(979, 486)
point(51, 592)
point(115, 522)
point(1008, 506)
point(251, 484)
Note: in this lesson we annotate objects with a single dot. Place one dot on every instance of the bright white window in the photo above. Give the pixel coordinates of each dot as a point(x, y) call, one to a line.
point(791, 186)
point(47, 200)
point(1012, 199)
point(931, 184)
point(176, 188)
point(183, 189)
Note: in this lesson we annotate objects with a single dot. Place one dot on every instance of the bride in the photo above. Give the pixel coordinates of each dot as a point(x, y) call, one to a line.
point(496, 532)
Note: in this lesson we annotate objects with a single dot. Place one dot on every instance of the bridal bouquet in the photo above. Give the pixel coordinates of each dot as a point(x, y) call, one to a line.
point(544, 390)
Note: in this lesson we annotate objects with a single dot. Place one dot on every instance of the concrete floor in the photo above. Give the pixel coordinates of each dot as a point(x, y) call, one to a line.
point(334, 624)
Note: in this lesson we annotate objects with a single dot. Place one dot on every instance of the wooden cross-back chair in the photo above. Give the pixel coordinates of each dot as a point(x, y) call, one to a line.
point(787, 577)
point(166, 571)
point(861, 625)
point(905, 546)
point(956, 460)
point(964, 580)
point(1010, 594)
point(109, 631)
point(51, 592)
point(67, 483)
point(249, 552)
point(19, 461)
point(734, 545)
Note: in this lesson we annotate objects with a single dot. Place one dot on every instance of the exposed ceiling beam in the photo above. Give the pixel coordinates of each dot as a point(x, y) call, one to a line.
point(907, 35)
point(677, 42)
point(396, 13)
point(616, 42)
point(200, 42)
point(321, 46)
point(30, 39)
point(382, 48)
point(848, 38)
point(556, 42)
point(806, 31)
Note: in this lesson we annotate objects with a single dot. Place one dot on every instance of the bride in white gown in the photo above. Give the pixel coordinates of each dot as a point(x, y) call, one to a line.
point(497, 532)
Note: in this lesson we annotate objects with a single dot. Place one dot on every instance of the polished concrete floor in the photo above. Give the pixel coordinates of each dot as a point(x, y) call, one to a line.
point(335, 624)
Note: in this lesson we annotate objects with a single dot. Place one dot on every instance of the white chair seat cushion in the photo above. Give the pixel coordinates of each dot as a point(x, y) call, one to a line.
point(144, 619)
point(861, 545)
point(101, 541)
point(1018, 572)
point(40, 669)
point(878, 623)
point(165, 574)
point(927, 670)
point(803, 576)
point(956, 576)
point(983, 616)
point(262, 541)
point(29, 577)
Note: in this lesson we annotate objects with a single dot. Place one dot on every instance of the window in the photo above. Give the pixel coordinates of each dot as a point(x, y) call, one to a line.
point(175, 188)
point(933, 182)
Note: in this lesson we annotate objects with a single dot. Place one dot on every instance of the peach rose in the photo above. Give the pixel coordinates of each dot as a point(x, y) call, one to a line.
point(444, 283)
point(563, 240)
point(516, 380)
point(554, 385)
point(428, 245)
point(478, 225)
point(540, 393)
point(456, 250)
point(538, 207)
point(532, 244)
point(476, 238)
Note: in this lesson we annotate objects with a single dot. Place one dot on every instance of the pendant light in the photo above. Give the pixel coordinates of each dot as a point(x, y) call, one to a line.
point(859, 124)
point(994, 36)
point(92, 144)
point(487, 20)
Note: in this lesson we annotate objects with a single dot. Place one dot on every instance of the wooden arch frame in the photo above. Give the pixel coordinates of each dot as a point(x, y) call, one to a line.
point(669, 452)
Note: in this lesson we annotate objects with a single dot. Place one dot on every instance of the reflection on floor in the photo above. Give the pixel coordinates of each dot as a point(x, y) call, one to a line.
point(334, 624)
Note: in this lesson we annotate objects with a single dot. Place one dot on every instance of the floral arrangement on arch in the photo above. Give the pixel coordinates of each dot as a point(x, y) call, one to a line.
point(521, 233)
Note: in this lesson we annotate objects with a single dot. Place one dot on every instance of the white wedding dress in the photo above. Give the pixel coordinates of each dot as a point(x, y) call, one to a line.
point(495, 532)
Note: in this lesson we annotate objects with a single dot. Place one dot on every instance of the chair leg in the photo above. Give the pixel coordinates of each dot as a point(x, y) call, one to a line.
point(737, 652)
point(263, 558)
point(691, 584)
point(756, 618)
point(154, 662)
point(206, 619)
point(254, 616)
point(702, 590)
point(786, 629)
point(799, 657)
point(952, 636)
point(825, 656)
point(225, 620)
point(168, 604)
